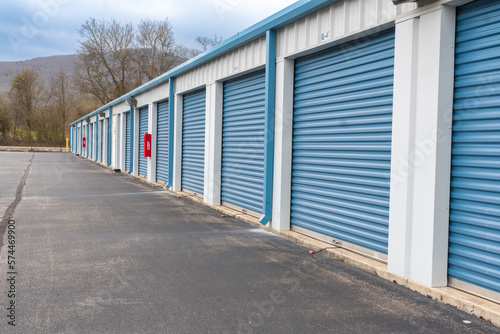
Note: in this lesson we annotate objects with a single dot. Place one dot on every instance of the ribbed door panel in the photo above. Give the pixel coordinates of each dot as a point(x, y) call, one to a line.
point(474, 246)
point(104, 141)
point(193, 142)
point(243, 142)
point(101, 138)
point(342, 142)
point(127, 141)
point(162, 144)
point(90, 141)
point(143, 128)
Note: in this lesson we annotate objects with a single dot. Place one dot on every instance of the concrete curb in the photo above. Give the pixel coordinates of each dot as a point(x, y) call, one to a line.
point(482, 308)
point(34, 149)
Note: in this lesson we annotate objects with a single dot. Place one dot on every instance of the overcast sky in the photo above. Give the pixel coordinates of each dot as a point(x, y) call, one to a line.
point(39, 28)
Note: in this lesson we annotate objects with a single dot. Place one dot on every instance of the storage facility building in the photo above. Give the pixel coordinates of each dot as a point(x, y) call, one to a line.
point(363, 123)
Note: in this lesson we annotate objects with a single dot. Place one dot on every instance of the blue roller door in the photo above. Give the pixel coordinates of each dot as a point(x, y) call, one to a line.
point(78, 146)
point(474, 244)
point(193, 142)
point(101, 138)
point(128, 137)
point(80, 139)
point(90, 141)
point(104, 141)
point(342, 133)
point(74, 141)
point(243, 142)
point(143, 128)
point(162, 144)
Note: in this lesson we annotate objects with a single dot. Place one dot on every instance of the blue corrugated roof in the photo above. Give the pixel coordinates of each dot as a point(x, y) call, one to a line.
point(280, 19)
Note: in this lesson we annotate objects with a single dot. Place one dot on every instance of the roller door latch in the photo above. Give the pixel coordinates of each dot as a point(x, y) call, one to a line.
point(337, 242)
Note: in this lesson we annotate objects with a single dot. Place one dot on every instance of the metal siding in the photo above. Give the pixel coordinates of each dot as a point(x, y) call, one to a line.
point(193, 142)
point(143, 128)
point(154, 94)
point(162, 142)
point(243, 142)
point(336, 21)
point(128, 137)
point(474, 244)
point(342, 142)
point(240, 60)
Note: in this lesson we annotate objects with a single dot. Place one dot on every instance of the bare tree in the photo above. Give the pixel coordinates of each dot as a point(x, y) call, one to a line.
point(156, 48)
point(62, 97)
point(185, 53)
point(84, 104)
point(26, 93)
point(208, 42)
point(5, 121)
point(115, 58)
point(105, 65)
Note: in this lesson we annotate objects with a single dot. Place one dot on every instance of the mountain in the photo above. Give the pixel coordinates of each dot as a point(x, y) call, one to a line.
point(46, 67)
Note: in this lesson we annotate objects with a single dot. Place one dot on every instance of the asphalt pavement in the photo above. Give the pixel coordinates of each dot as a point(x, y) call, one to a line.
point(101, 252)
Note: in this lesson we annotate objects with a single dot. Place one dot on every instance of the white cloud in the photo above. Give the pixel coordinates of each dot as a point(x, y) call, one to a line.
point(49, 27)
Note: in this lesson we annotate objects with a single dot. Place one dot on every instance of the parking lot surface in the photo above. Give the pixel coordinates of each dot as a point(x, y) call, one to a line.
point(101, 252)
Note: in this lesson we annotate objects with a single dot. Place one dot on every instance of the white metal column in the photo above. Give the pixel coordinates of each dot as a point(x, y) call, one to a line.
point(420, 165)
point(177, 144)
point(213, 143)
point(283, 127)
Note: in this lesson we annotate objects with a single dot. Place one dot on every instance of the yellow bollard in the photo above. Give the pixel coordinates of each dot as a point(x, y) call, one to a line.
point(67, 145)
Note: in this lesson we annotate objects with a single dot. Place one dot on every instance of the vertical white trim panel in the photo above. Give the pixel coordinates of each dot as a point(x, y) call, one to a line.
point(114, 142)
point(432, 154)
point(105, 141)
point(123, 138)
point(403, 138)
point(177, 144)
point(213, 143)
point(283, 128)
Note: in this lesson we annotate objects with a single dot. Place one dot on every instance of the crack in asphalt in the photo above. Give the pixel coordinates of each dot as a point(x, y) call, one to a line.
point(12, 207)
